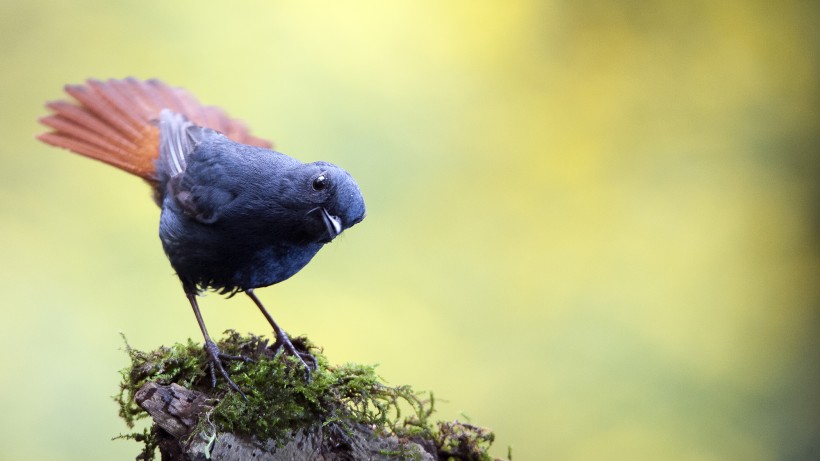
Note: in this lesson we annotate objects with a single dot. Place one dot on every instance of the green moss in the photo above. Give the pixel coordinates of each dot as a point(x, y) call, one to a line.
point(180, 363)
point(279, 401)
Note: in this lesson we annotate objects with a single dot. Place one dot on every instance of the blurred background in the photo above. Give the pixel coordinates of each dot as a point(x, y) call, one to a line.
point(592, 226)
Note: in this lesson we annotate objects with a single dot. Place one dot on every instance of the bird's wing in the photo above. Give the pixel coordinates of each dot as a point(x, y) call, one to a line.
point(176, 142)
point(196, 183)
point(116, 122)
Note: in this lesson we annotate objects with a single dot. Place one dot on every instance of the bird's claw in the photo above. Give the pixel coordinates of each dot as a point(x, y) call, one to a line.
point(284, 343)
point(215, 357)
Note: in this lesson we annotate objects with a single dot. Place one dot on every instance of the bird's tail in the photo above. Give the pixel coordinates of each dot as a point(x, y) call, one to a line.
point(116, 122)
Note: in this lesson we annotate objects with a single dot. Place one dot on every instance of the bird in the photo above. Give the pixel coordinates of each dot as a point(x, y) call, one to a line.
point(235, 215)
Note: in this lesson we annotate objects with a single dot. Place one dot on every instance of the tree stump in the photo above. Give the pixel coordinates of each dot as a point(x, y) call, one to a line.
point(176, 410)
point(342, 412)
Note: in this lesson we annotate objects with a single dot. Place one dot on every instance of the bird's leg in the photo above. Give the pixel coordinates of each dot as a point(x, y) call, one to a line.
point(212, 351)
point(281, 336)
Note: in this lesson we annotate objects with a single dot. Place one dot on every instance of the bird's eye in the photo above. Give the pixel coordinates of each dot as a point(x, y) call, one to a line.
point(320, 182)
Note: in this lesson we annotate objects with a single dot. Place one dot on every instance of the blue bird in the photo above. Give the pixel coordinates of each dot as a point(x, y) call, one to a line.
point(236, 215)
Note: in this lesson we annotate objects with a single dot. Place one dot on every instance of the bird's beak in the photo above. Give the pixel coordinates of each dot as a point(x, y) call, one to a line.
point(333, 224)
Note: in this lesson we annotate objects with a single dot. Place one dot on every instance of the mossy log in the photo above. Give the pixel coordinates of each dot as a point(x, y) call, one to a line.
point(175, 411)
point(341, 412)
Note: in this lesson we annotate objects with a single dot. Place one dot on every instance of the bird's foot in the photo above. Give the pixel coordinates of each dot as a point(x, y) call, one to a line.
point(282, 340)
point(305, 358)
point(215, 357)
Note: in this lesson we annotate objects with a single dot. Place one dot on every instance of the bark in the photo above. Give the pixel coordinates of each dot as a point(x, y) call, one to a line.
point(177, 413)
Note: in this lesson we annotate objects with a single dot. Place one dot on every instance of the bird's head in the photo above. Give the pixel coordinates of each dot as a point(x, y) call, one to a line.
point(334, 201)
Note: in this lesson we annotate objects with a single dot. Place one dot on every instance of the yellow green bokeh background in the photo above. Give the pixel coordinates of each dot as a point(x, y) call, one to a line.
point(592, 226)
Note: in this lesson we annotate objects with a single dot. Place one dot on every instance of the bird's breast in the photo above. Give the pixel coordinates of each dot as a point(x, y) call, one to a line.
point(226, 258)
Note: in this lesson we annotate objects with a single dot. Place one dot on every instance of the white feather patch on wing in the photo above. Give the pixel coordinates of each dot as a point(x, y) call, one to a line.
point(175, 143)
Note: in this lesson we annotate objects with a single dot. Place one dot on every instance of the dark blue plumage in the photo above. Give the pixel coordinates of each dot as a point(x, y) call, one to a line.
point(235, 215)
point(239, 217)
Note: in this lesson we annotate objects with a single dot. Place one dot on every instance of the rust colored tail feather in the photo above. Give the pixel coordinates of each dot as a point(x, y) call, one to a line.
point(116, 122)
